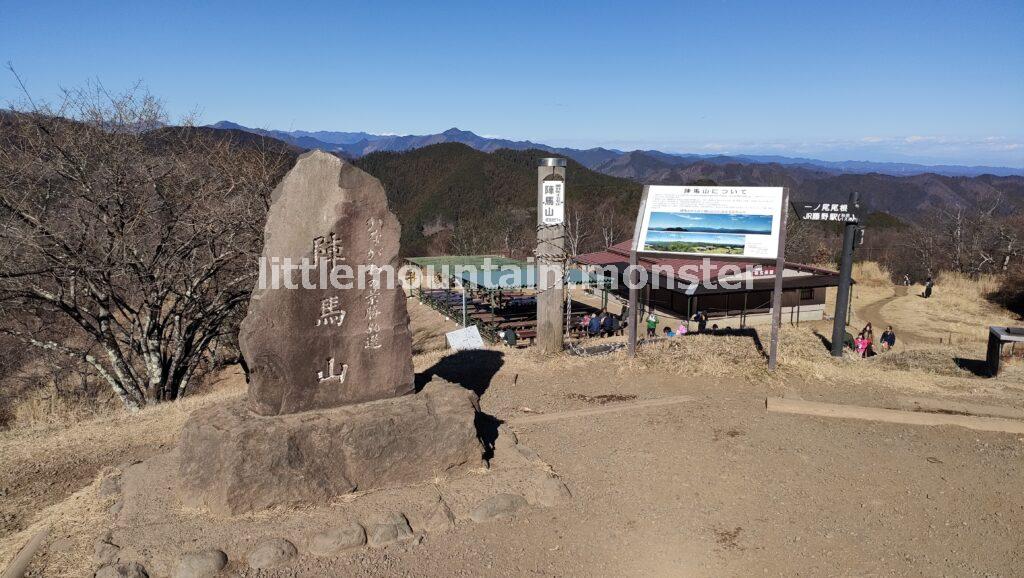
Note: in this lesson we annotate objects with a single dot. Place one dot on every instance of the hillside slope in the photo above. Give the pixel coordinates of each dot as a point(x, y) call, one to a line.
point(452, 187)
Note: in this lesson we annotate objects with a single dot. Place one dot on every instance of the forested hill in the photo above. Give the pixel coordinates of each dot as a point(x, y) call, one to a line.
point(450, 197)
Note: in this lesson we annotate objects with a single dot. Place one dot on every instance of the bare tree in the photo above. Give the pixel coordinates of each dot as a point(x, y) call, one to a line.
point(611, 229)
point(468, 239)
point(141, 237)
point(514, 240)
point(577, 231)
point(968, 240)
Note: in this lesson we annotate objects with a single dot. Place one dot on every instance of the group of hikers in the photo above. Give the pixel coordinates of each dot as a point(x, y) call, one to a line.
point(602, 324)
point(701, 318)
point(864, 343)
point(605, 324)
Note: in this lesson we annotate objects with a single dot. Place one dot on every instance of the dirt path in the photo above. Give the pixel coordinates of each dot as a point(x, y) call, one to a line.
point(873, 312)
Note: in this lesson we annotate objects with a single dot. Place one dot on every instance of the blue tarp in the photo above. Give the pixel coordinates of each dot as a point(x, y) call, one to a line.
point(521, 276)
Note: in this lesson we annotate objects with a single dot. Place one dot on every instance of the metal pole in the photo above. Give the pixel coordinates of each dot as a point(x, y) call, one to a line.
point(840, 320)
point(463, 305)
point(550, 263)
point(634, 276)
point(780, 270)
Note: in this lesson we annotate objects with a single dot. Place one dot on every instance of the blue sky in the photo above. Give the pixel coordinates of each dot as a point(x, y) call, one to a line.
point(935, 81)
point(749, 223)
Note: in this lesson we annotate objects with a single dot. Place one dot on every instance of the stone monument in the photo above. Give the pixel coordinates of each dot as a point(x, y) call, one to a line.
point(331, 405)
point(324, 347)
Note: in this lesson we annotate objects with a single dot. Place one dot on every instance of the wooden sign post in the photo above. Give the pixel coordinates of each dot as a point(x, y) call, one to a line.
point(550, 253)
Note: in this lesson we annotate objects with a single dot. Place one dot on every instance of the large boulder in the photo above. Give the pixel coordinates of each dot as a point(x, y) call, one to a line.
point(310, 345)
point(233, 461)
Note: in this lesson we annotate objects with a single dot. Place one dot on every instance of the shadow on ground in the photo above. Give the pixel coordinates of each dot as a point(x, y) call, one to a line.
point(978, 367)
point(473, 370)
point(487, 430)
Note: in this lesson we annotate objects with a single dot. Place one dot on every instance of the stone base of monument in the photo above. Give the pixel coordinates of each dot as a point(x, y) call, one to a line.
point(233, 461)
point(150, 527)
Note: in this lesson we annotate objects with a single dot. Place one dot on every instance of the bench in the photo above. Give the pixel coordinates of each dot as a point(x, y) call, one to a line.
point(529, 324)
point(527, 334)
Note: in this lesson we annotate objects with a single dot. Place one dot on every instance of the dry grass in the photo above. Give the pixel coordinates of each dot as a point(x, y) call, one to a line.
point(75, 524)
point(956, 283)
point(716, 356)
point(228, 384)
point(870, 273)
point(46, 407)
point(803, 358)
point(428, 328)
point(78, 519)
point(958, 310)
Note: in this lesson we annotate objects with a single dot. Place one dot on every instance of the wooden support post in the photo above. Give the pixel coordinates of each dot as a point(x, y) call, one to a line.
point(633, 278)
point(780, 270)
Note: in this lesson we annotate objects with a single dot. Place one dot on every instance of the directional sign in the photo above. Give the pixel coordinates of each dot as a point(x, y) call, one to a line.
point(835, 212)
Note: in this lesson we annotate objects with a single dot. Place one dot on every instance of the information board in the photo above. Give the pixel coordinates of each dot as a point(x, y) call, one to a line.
point(711, 221)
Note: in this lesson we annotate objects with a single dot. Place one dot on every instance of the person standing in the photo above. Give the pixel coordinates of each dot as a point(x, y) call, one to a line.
point(906, 280)
point(888, 339)
point(928, 287)
point(652, 325)
point(868, 332)
point(702, 321)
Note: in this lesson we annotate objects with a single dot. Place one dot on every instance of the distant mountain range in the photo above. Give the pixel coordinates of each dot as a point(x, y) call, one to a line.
point(637, 165)
point(453, 197)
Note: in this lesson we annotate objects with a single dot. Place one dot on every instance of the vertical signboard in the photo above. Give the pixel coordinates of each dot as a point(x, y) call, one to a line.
point(553, 203)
